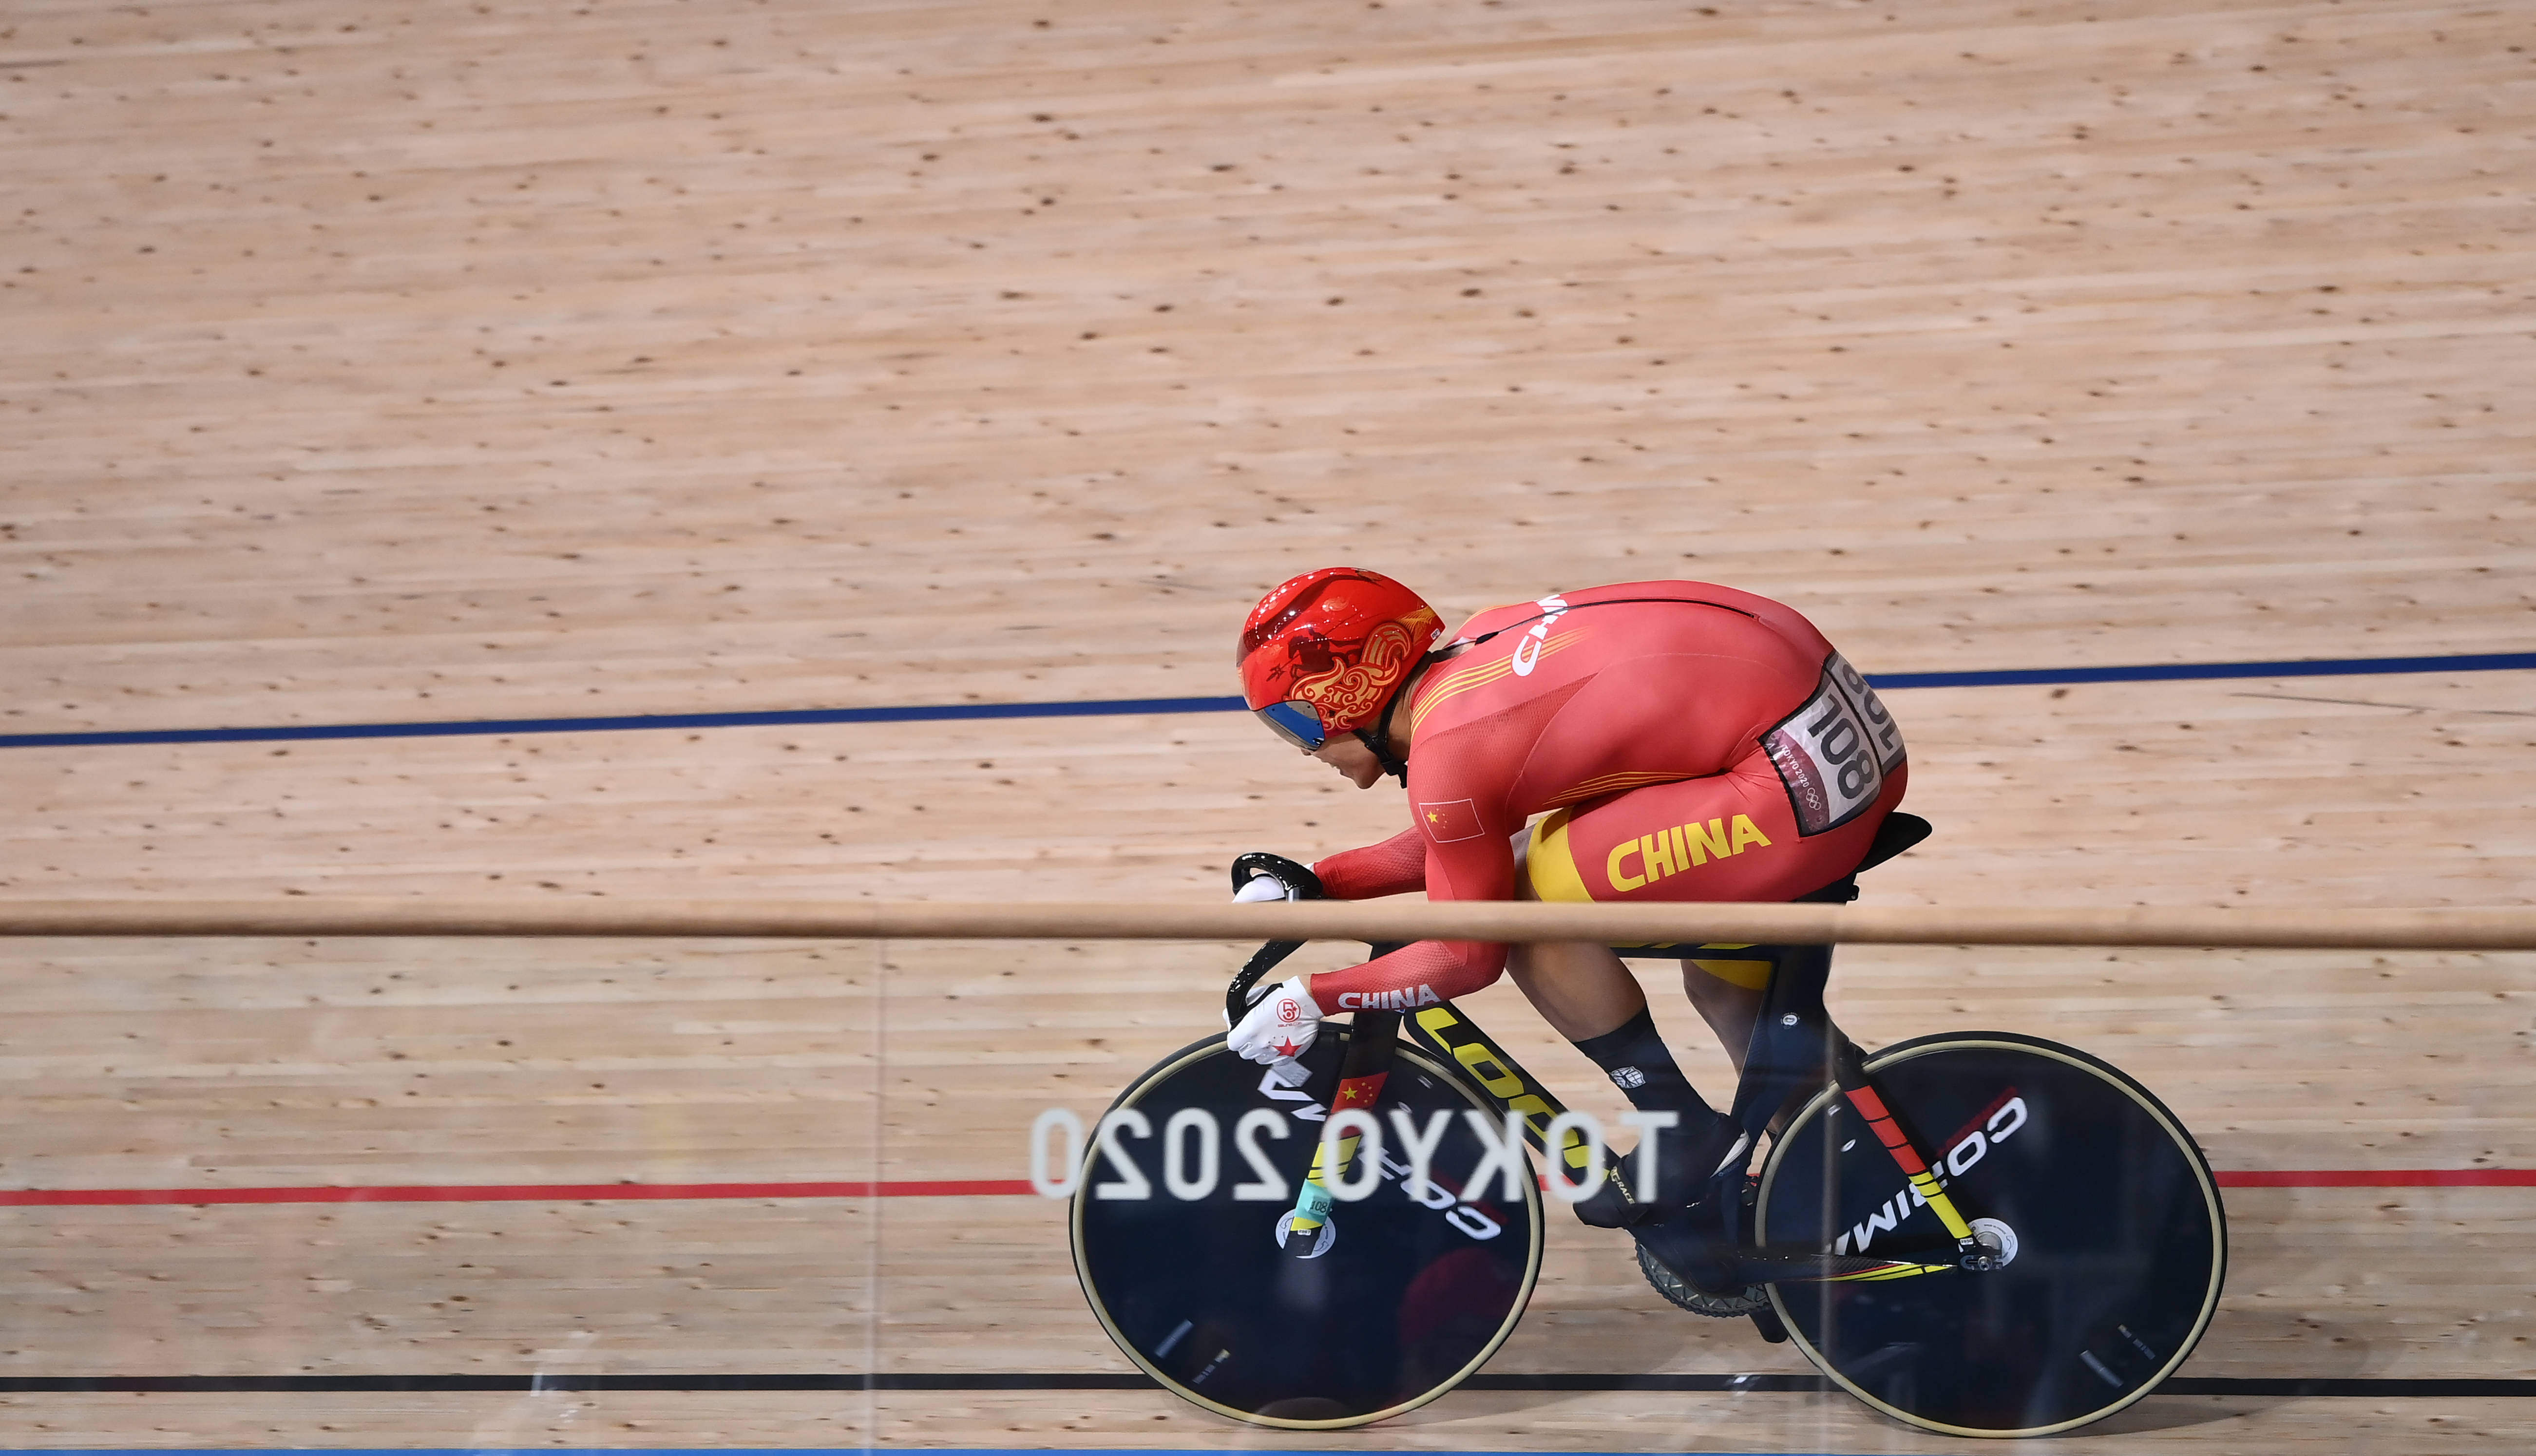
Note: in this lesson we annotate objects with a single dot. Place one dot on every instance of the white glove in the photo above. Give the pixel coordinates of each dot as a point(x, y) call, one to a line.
point(1279, 1027)
point(1261, 887)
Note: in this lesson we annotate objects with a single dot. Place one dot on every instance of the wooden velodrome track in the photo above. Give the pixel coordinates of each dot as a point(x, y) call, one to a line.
point(373, 364)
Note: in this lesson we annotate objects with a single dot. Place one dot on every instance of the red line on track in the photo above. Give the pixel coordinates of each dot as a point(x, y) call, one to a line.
point(516, 1192)
point(2320, 1177)
point(2381, 1177)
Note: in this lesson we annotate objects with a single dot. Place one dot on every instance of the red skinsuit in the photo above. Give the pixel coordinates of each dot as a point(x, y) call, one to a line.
point(1705, 745)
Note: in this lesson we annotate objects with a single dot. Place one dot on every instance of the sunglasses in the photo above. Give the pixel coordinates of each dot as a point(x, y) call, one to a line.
point(1297, 721)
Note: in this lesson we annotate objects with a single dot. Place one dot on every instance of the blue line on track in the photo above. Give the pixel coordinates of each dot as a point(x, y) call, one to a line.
point(478, 727)
point(2489, 661)
point(2480, 662)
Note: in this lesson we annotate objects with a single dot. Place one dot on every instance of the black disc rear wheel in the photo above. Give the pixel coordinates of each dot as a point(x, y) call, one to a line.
point(2119, 1239)
point(1420, 1285)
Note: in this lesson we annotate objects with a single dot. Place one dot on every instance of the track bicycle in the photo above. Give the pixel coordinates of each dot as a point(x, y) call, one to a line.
point(1975, 1233)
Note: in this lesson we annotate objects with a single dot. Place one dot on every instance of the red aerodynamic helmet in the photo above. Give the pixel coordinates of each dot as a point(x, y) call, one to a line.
point(1323, 652)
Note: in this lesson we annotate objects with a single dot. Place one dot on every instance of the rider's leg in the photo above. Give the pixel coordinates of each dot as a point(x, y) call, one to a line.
point(1728, 988)
point(1732, 835)
point(1728, 998)
point(1725, 837)
point(1581, 989)
point(1591, 999)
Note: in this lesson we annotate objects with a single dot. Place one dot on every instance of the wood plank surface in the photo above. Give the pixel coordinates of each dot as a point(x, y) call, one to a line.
point(528, 360)
point(626, 357)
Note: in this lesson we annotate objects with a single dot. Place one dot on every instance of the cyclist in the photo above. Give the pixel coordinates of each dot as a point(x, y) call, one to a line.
point(1677, 740)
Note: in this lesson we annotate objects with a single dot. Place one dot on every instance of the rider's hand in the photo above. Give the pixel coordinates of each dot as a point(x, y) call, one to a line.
point(1280, 1025)
point(1260, 875)
point(1265, 887)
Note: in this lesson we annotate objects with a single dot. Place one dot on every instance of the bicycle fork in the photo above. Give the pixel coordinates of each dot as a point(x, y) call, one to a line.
point(1363, 1069)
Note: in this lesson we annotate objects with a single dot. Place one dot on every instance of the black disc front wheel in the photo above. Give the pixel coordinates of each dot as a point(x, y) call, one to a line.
point(1420, 1283)
point(2114, 1238)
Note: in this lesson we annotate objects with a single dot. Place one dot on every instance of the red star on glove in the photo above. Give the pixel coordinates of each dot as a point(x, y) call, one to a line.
point(1287, 1049)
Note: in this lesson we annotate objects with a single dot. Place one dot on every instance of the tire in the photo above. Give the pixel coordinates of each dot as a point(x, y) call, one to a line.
point(1411, 1296)
point(2121, 1240)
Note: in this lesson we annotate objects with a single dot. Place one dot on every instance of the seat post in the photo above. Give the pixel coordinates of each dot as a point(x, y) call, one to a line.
point(1795, 1046)
point(1794, 1042)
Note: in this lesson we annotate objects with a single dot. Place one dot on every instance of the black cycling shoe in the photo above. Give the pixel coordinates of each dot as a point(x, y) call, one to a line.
point(1685, 1161)
point(1611, 1207)
point(1688, 1157)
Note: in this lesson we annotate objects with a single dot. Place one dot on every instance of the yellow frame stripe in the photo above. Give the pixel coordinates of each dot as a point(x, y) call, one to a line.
point(1925, 1185)
point(1878, 1276)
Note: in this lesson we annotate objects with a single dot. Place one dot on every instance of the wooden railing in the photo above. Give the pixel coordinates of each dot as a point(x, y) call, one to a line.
point(2492, 929)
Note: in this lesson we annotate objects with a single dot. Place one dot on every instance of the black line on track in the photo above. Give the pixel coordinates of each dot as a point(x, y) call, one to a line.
point(1689, 1384)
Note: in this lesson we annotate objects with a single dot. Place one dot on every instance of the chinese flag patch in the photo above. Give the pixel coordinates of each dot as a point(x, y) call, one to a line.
point(1446, 823)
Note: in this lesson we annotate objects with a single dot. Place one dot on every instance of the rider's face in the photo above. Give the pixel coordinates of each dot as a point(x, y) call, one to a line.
point(1354, 762)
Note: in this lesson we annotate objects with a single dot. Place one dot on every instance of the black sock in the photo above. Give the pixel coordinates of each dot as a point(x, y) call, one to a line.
point(1636, 1058)
point(1637, 1061)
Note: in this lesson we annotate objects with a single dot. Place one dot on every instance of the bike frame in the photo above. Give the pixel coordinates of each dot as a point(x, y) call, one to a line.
point(1794, 1052)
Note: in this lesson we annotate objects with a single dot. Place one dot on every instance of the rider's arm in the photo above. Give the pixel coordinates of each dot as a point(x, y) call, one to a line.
point(1395, 866)
point(1466, 866)
point(1425, 973)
